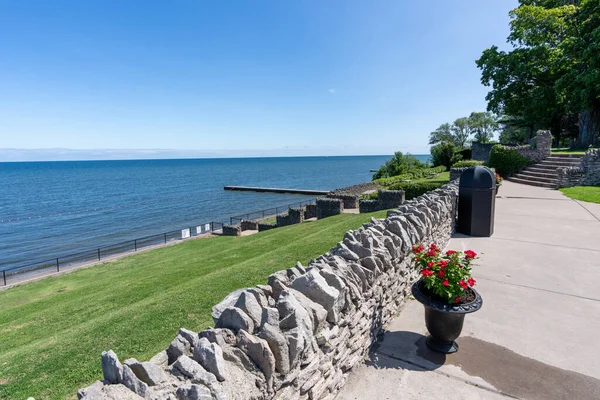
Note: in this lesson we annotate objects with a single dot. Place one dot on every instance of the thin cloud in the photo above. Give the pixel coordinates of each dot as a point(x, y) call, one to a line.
point(331, 91)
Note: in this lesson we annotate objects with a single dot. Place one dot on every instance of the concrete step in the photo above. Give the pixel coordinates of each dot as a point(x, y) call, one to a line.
point(558, 164)
point(533, 178)
point(541, 168)
point(540, 174)
point(567, 156)
point(532, 183)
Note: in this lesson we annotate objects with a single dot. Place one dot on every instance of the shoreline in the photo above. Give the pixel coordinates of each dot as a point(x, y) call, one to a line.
point(35, 273)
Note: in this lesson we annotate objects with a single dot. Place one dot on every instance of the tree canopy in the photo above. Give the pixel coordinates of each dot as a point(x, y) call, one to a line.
point(479, 125)
point(553, 72)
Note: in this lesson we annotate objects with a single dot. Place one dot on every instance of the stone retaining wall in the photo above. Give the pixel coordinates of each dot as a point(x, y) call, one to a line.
point(349, 200)
point(386, 199)
point(539, 149)
point(310, 211)
point(265, 227)
point(455, 173)
point(232, 230)
point(586, 174)
point(481, 151)
point(294, 216)
point(248, 225)
point(329, 207)
point(299, 336)
point(357, 190)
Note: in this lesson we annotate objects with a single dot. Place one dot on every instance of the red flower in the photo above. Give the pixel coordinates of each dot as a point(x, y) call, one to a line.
point(430, 264)
point(469, 254)
point(417, 248)
point(443, 263)
point(433, 247)
point(457, 300)
point(450, 252)
point(427, 272)
point(431, 253)
point(462, 284)
point(471, 281)
point(441, 273)
point(445, 282)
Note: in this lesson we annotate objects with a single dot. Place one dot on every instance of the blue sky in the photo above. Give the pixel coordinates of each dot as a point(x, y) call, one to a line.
point(241, 77)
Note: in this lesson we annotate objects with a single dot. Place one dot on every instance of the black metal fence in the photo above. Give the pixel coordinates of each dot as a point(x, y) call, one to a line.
point(30, 271)
point(260, 214)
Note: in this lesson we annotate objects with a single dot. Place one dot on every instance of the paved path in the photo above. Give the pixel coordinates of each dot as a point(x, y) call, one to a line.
point(536, 336)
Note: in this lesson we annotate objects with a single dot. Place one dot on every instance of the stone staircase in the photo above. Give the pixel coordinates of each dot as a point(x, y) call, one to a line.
point(544, 173)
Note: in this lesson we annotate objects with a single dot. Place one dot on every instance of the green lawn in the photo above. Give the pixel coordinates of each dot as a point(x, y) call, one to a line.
point(566, 150)
point(584, 193)
point(443, 177)
point(53, 331)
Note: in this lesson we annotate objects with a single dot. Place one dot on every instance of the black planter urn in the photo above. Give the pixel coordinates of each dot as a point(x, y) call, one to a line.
point(444, 321)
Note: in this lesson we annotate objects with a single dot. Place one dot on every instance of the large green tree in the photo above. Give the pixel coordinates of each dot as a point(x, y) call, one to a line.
point(442, 134)
point(483, 125)
point(553, 70)
point(461, 132)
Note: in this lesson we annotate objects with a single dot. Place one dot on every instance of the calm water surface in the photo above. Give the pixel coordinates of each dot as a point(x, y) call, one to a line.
point(50, 209)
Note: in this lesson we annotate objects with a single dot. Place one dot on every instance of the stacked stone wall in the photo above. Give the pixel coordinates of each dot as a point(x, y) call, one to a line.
point(265, 227)
point(481, 151)
point(587, 173)
point(310, 211)
point(386, 199)
point(294, 216)
point(455, 173)
point(329, 207)
point(368, 206)
point(232, 230)
point(299, 336)
point(539, 149)
point(349, 200)
point(248, 225)
point(357, 190)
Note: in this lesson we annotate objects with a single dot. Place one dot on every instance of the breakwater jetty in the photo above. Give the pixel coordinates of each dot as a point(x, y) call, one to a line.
point(277, 190)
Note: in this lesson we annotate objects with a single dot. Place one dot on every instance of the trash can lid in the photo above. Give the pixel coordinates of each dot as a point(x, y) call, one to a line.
point(478, 177)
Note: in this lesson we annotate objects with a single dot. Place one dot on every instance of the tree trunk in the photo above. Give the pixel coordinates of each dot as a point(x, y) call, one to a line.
point(589, 127)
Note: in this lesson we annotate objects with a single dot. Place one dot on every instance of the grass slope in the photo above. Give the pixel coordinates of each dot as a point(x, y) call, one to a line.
point(583, 193)
point(54, 330)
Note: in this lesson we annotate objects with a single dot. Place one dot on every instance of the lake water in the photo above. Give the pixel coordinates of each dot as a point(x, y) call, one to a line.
point(51, 209)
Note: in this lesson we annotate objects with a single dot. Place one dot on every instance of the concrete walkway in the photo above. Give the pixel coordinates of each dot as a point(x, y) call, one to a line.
point(536, 336)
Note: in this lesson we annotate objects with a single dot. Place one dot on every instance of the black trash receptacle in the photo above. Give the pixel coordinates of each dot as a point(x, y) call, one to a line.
point(476, 202)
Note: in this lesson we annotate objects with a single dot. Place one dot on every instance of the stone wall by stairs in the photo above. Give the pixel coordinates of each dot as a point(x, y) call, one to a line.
point(544, 173)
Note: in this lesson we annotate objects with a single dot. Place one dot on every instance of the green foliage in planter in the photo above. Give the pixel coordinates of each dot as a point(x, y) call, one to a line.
point(507, 161)
point(414, 189)
point(467, 164)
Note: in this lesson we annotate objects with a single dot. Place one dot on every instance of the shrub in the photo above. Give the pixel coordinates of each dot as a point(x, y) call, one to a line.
point(465, 154)
point(466, 164)
point(416, 174)
point(415, 189)
point(370, 196)
point(399, 164)
point(507, 161)
point(444, 154)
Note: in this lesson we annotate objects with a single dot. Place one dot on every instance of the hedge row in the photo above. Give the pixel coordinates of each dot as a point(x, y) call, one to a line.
point(467, 164)
point(418, 174)
point(414, 189)
point(507, 161)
